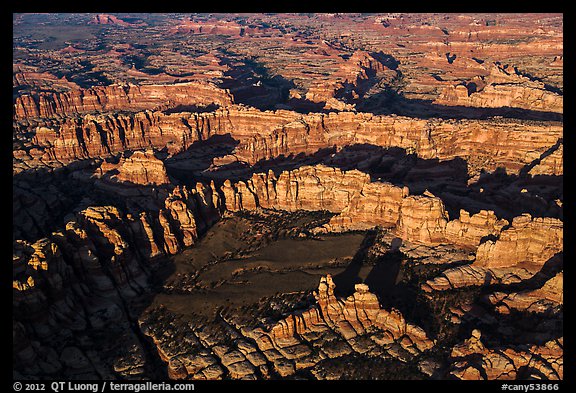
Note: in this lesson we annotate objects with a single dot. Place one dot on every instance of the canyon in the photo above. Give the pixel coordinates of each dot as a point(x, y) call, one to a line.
point(288, 196)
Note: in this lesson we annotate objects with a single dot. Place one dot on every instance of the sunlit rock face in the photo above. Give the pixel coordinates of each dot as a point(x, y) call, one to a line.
point(142, 168)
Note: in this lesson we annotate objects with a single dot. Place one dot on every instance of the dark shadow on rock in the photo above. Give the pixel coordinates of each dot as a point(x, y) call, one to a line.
point(508, 195)
point(386, 59)
point(526, 194)
point(450, 58)
point(526, 372)
point(515, 327)
point(43, 196)
point(116, 268)
point(305, 106)
point(250, 83)
point(192, 108)
point(448, 179)
point(527, 168)
point(395, 244)
point(188, 165)
point(346, 280)
point(389, 101)
point(489, 237)
point(550, 268)
point(383, 277)
point(393, 281)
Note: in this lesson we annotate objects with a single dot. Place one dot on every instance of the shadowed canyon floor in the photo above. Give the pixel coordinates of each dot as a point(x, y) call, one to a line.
point(220, 270)
point(288, 196)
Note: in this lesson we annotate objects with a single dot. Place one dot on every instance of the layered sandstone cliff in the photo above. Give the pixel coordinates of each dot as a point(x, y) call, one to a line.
point(127, 97)
point(120, 239)
point(361, 204)
point(107, 19)
point(24, 76)
point(520, 251)
point(484, 144)
point(546, 299)
point(501, 88)
point(528, 240)
point(355, 316)
point(80, 280)
point(142, 167)
point(331, 328)
point(474, 361)
point(214, 27)
point(350, 82)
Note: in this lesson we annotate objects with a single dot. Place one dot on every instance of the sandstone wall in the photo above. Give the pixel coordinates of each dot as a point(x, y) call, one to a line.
point(484, 144)
point(361, 204)
point(501, 88)
point(118, 98)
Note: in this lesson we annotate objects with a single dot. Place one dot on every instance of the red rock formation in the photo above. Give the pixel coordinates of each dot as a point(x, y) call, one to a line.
point(24, 77)
point(207, 27)
point(183, 216)
point(87, 277)
point(337, 320)
point(422, 218)
point(227, 26)
point(518, 254)
point(106, 19)
point(171, 245)
point(308, 188)
point(541, 300)
point(502, 89)
point(142, 167)
point(484, 144)
point(472, 360)
point(104, 225)
point(184, 358)
point(469, 230)
point(71, 49)
point(119, 98)
point(42, 296)
point(101, 254)
point(349, 82)
point(76, 242)
point(373, 204)
point(528, 241)
point(481, 143)
point(73, 282)
point(551, 165)
point(187, 213)
point(29, 261)
point(361, 204)
point(144, 238)
point(361, 311)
